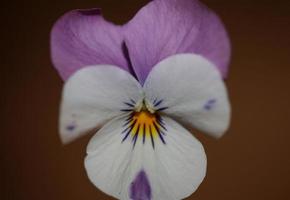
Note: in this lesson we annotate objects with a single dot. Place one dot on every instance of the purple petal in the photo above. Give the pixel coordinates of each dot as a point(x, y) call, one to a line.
point(166, 27)
point(140, 187)
point(83, 37)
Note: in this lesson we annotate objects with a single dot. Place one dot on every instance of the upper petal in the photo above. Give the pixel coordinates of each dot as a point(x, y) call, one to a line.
point(166, 27)
point(94, 95)
point(191, 91)
point(83, 37)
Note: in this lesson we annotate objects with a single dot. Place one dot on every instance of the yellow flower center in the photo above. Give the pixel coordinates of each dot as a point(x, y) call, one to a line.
point(144, 125)
point(144, 121)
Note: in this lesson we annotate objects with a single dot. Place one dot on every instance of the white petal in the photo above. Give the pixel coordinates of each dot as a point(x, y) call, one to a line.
point(174, 170)
point(192, 92)
point(180, 164)
point(108, 159)
point(94, 95)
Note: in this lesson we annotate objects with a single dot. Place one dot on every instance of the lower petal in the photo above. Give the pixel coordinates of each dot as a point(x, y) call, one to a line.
point(129, 169)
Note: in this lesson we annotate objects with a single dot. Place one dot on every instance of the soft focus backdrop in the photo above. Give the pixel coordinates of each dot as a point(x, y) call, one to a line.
point(250, 162)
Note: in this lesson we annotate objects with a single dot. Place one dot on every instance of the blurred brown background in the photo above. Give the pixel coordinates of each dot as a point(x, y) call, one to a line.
point(250, 162)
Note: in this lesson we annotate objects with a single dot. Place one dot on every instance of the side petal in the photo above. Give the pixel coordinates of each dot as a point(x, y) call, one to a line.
point(83, 37)
point(94, 95)
point(192, 92)
point(132, 172)
point(167, 27)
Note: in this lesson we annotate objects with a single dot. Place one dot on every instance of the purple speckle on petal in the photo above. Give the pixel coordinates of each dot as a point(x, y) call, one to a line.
point(71, 127)
point(209, 104)
point(140, 188)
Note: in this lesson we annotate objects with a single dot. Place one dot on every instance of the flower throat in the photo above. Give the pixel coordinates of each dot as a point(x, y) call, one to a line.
point(143, 124)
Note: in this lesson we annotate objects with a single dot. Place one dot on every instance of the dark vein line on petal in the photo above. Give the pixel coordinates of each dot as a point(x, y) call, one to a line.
point(151, 135)
point(127, 56)
point(136, 135)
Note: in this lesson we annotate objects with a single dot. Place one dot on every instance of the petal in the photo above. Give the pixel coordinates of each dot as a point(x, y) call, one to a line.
point(93, 95)
point(167, 27)
point(108, 158)
point(81, 38)
point(166, 172)
point(191, 91)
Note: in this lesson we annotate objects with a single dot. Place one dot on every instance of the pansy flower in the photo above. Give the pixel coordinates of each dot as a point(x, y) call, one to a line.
point(140, 85)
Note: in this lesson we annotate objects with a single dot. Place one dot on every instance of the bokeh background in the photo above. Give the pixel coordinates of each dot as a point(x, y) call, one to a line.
point(250, 162)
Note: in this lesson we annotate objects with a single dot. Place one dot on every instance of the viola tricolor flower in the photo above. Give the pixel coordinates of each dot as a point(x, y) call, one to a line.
point(140, 84)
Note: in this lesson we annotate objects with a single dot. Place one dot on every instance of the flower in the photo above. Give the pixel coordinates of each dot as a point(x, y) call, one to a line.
point(142, 83)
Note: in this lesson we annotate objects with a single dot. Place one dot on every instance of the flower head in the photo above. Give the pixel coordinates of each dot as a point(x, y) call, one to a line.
point(141, 82)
